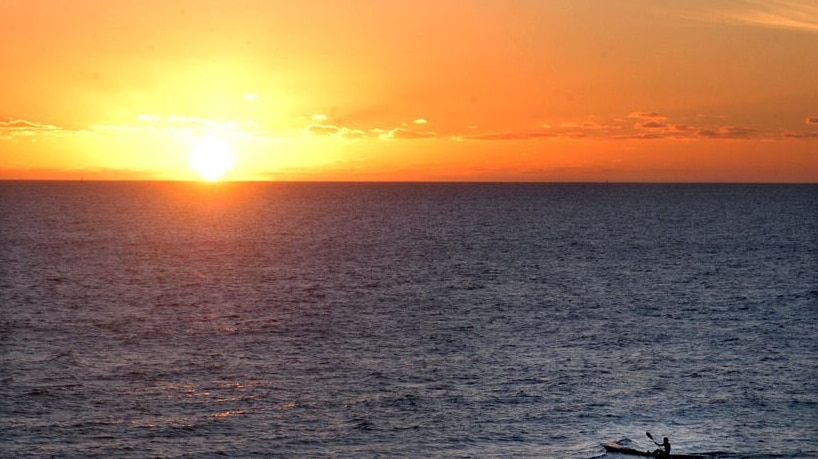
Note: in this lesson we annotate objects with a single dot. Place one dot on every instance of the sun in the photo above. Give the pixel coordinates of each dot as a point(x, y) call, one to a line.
point(211, 157)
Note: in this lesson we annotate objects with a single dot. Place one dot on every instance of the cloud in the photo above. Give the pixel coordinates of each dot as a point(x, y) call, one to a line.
point(14, 127)
point(643, 136)
point(800, 135)
point(322, 129)
point(801, 15)
point(728, 132)
point(651, 125)
point(647, 116)
point(811, 120)
point(567, 131)
point(398, 133)
point(585, 130)
point(10, 123)
point(781, 14)
point(585, 126)
point(328, 130)
point(508, 136)
point(406, 134)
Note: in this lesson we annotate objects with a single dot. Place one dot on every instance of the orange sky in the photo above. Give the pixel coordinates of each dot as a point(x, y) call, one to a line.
point(511, 90)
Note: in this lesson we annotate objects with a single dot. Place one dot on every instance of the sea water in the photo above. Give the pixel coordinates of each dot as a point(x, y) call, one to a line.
point(249, 320)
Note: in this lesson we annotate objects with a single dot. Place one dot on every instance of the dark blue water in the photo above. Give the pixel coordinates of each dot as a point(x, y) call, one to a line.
point(406, 320)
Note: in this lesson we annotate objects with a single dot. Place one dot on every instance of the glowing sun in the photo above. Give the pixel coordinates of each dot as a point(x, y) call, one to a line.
point(211, 158)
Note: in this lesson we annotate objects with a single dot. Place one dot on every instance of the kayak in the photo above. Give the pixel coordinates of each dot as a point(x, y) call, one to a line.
point(616, 448)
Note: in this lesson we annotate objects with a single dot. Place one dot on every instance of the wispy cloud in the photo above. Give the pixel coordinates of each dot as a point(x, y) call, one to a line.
point(330, 130)
point(399, 133)
point(582, 130)
point(800, 135)
point(322, 129)
point(407, 134)
point(728, 132)
point(650, 126)
point(531, 135)
point(638, 125)
point(779, 14)
point(647, 116)
point(15, 127)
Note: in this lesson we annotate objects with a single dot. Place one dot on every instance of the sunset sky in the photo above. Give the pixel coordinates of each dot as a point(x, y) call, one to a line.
point(500, 90)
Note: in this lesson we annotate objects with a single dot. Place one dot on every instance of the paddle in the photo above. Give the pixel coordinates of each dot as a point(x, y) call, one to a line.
point(652, 439)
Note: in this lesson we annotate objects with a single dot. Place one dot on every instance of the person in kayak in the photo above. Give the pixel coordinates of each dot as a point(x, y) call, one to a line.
point(666, 445)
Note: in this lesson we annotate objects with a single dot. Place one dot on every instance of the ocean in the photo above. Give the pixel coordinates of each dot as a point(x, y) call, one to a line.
point(413, 320)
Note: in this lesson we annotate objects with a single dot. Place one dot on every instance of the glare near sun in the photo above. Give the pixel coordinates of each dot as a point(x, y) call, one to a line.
point(211, 157)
